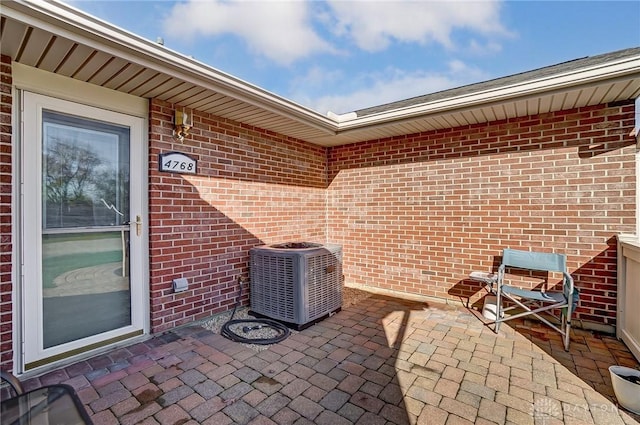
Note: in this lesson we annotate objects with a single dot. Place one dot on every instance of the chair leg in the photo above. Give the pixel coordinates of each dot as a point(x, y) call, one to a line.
point(567, 334)
point(498, 312)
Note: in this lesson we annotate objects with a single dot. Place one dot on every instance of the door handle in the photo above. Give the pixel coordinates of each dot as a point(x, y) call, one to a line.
point(138, 224)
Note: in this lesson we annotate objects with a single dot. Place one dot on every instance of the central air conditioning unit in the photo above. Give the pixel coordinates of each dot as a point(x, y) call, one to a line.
point(297, 283)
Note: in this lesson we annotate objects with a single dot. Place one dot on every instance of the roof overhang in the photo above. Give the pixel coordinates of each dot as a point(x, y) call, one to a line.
point(60, 39)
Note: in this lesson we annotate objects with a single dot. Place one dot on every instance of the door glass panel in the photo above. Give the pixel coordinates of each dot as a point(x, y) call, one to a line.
point(85, 236)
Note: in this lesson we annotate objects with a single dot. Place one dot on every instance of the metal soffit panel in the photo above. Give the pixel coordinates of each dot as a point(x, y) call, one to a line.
point(518, 107)
point(78, 59)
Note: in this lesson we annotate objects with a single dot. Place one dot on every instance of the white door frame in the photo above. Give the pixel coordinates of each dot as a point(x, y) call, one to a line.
point(29, 211)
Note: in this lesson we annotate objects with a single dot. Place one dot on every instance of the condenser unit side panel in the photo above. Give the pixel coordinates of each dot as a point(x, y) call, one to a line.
point(324, 282)
point(272, 285)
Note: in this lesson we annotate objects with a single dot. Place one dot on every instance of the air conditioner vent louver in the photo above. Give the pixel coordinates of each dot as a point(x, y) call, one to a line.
point(296, 283)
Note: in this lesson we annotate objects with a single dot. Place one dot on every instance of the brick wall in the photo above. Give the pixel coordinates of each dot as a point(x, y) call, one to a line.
point(416, 214)
point(252, 187)
point(6, 315)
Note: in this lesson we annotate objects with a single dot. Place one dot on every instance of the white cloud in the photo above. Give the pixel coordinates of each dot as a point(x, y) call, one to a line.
point(318, 76)
point(378, 88)
point(476, 47)
point(280, 31)
point(286, 31)
point(374, 25)
point(305, 88)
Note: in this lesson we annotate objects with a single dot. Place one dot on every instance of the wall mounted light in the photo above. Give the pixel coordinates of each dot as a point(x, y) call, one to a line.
point(182, 124)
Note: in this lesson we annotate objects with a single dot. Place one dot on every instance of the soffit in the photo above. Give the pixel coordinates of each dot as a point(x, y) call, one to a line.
point(56, 38)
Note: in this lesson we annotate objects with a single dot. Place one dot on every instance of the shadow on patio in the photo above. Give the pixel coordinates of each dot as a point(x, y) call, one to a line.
point(382, 360)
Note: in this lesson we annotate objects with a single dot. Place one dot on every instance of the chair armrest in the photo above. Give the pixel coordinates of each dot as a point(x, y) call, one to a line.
point(484, 277)
point(501, 271)
point(568, 280)
point(12, 381)
point(570, 291)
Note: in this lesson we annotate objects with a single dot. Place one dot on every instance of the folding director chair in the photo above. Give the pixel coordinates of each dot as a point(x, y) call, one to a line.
point(47, 405)
point(533, 301)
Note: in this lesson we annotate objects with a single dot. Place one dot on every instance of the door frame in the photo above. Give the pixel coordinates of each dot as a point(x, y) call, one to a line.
point(63, 89)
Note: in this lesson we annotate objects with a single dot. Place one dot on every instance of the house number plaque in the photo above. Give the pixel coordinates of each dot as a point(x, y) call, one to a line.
point(176, 162)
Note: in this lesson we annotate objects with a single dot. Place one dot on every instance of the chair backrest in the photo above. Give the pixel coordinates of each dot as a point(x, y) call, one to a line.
point(543, 261)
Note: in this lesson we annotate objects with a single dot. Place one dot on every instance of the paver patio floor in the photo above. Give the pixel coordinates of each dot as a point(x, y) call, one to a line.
point(381, 361)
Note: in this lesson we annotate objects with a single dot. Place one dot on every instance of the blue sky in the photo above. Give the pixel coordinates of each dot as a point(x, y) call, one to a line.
point(341, 56)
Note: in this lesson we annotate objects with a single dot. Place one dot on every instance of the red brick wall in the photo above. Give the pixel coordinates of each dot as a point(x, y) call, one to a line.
point(6, 315)
point(252, 187)
point(416, 214)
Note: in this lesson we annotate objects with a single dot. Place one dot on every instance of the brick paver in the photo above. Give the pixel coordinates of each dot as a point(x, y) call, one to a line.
point(385, 360)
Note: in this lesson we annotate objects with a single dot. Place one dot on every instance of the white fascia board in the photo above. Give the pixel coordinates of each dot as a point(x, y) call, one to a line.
point(563, 82)
point(111, 39)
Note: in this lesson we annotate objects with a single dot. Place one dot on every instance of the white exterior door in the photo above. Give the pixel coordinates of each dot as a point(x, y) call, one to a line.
point(82, 228)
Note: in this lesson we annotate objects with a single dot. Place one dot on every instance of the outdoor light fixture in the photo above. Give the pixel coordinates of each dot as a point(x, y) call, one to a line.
point(183, 123)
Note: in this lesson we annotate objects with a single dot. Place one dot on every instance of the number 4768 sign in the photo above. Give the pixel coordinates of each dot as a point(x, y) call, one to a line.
point(176, 162)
